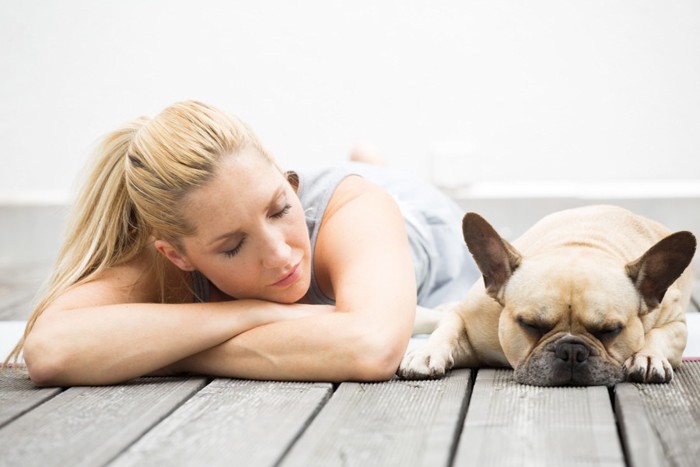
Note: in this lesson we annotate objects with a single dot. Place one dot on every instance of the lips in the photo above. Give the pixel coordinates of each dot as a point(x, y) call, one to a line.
point(288, 278)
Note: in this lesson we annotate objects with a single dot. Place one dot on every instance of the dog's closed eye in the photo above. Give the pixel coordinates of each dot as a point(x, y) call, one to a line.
point(533, 328)
point(607, 332)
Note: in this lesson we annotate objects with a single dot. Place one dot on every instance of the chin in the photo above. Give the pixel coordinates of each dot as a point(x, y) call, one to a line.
point(291, 295)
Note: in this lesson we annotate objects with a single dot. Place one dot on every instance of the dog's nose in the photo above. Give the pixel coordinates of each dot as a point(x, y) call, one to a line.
point(572, 352)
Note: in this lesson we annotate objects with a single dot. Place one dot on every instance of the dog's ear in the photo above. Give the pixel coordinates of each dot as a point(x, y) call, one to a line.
point(497, 259)
point(655, 271)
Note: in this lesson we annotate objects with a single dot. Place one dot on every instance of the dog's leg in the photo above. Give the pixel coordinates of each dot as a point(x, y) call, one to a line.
point(663, 279)
point(447, 346)
point(427, 319)
point(662, 351)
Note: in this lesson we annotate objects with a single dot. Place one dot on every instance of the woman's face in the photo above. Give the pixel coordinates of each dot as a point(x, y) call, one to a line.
point(251, 239)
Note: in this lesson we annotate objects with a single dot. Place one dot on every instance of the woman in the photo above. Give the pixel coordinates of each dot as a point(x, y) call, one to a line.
point(190, 251)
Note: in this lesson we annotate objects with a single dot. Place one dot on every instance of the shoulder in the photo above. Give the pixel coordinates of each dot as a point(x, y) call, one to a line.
point(357, 193)
point(326, 193)
point(361, 218)
point(361, 243)
point(141, 280)
point(358, 209)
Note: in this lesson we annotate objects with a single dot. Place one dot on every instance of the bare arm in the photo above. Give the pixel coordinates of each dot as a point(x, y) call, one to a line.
point(113, 343)
point(110, 330)
point(363, 254)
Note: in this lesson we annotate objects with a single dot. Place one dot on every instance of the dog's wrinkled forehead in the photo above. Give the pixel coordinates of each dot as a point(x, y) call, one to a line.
point(554, 285)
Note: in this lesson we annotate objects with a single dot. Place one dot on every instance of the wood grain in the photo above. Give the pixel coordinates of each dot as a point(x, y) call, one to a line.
point(509, 424)
point(231, 422)
point(91, 425)
point(672, 413)
point(18, 395)
point(395, 423)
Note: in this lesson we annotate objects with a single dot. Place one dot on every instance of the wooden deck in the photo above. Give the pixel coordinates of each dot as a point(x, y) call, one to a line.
point(474, 418)
point(468, 418)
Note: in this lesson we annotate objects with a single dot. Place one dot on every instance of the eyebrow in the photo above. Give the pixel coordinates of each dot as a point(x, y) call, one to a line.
point(276, 195)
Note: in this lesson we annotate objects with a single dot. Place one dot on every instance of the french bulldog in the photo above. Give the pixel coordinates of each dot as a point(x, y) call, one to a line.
point(588, 296)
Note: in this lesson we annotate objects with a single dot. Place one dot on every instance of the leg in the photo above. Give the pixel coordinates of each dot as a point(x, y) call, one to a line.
point(427, 319)
point(662, 351)
point(447, 347)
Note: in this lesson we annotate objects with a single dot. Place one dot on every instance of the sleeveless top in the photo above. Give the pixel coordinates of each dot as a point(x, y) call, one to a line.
point(443, 267)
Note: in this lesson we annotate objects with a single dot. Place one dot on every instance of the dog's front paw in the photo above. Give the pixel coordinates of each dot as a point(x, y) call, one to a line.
point(640, 368)
point(426, 362)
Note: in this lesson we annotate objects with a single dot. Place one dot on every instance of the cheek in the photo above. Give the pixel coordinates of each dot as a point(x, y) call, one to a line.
point(234, 278)
point(627, 343)
point(515, 343)
point(297, 235)
point(299, 225)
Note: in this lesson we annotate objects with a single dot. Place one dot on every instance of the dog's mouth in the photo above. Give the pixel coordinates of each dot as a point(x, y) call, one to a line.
point(568, 361)
point(588, 375)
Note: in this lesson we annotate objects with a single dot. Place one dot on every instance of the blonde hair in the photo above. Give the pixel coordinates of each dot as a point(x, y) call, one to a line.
point(134, 190)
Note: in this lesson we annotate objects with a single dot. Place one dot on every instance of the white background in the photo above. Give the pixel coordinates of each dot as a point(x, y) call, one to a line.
point(463, 90)
point(563, 91)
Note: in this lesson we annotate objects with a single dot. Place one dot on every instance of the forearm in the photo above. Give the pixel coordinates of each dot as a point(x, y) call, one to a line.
point(339, 346)
point(113, 343)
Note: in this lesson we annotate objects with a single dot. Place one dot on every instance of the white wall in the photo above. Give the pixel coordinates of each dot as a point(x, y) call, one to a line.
point(582, 90)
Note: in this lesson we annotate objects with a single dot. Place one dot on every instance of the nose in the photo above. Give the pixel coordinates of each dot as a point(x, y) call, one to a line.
point(572, 352)
point(276, 251)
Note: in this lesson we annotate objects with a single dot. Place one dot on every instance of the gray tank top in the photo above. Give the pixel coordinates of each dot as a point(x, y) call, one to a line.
point(444, 269)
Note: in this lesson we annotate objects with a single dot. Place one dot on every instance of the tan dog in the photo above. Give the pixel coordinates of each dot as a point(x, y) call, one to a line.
point(587, 296)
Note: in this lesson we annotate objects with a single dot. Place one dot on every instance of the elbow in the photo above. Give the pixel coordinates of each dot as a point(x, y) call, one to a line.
point(378, 359)
point(45, 367)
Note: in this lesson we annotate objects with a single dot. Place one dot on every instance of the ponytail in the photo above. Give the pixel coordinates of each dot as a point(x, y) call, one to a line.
point(135, 189)
point(104, 227)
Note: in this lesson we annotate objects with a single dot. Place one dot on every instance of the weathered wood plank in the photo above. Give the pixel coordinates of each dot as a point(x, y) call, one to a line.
point(20, 285)
point(27, 272)
point(396, 423)
point(91, 425)
point(510, 424)
point(673, 413)
point(231, 422)
point(16, 302)
point(642, 447)
point(18, 395)
point(31, 231)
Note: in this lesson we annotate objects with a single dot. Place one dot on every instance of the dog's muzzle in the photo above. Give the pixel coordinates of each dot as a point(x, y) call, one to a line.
point(567, 361)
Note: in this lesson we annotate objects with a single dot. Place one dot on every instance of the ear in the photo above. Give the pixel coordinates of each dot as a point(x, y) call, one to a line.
point(655, 271)
point(293, 179)
point(497, 259)
point(173, 255)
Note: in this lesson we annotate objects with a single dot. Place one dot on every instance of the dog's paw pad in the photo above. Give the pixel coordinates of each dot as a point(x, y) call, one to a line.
point(424, 364)
point(648, 369)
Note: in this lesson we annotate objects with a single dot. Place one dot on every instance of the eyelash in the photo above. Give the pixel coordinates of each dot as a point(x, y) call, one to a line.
point(278, 215)
point(233, 252)
point(283, 212)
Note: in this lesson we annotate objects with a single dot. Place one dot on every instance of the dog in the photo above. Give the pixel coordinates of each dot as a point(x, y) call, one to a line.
point(587, 296)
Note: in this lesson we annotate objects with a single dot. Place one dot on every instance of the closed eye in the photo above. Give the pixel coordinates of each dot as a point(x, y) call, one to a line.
point(537, 329)
point(235, 250)
point(278, 215)
point(283, 212)
point(608, 332)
